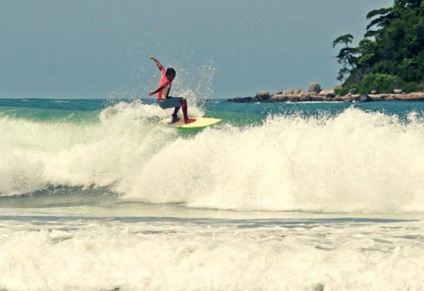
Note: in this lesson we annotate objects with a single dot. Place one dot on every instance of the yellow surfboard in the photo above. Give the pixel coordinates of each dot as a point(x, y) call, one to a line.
point(199, 123)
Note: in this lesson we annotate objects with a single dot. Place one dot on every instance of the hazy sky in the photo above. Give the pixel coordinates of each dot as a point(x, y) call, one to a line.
point(95, 48)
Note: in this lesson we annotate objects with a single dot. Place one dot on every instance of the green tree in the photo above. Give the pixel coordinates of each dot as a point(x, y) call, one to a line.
point(392, 49)
point(346, 56)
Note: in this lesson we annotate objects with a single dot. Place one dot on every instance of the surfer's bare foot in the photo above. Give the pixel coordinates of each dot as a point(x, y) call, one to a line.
point(175, 119)
point(189, 120)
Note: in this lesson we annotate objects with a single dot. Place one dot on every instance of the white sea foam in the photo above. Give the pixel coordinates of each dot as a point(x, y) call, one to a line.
point(185, 255)
point(353, 162)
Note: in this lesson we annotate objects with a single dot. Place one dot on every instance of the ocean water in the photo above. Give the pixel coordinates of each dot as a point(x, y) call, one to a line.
point(98, 195)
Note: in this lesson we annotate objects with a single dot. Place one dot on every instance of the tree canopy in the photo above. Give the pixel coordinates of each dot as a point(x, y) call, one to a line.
point(391, 54)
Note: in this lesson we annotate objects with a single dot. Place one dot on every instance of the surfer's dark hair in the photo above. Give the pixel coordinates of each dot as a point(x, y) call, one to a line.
point(170, 72)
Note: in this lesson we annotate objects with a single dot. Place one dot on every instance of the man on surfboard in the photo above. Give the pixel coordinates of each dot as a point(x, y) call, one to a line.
point(164, 100)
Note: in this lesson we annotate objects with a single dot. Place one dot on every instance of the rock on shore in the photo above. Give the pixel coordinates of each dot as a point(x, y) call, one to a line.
point(315, 93)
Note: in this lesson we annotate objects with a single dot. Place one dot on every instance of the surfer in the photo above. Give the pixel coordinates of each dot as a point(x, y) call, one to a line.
point(164, 100)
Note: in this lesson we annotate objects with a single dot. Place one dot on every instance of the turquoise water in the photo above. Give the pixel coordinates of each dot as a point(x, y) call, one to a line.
point(42, 108)
point(98, 195)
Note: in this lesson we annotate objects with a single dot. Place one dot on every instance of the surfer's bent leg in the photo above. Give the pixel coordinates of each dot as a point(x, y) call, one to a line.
point(186, 119)
point(177, 108)
point(184, 106)
point(177, 103)
point(172, 102)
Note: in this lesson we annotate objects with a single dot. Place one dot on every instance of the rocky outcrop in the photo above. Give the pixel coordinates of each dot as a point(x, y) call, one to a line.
point(261, 96)
point(415, 96)
point(297, 95)
point(328, 93)
point(314, 87)
point(292, 92)
point(300, 97)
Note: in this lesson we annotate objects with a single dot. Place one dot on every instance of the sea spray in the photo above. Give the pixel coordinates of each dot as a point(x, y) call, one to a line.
point(354, 161)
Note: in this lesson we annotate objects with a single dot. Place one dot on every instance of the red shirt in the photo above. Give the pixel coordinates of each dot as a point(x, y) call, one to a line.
point(164, 82)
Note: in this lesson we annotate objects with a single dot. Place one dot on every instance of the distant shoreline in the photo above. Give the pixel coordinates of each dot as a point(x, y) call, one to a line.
point(295, 95)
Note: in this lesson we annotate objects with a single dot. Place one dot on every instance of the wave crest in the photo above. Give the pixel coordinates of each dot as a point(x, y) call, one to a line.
point(355, 161)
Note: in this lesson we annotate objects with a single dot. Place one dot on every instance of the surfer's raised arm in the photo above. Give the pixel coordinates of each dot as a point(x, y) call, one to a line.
point(158, 64)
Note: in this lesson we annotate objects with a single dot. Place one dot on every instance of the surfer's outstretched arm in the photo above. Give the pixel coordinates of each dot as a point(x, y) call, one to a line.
point(158, 64)
point(157, 90)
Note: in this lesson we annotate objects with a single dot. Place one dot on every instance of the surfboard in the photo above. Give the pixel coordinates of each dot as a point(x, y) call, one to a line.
point(200, 122)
